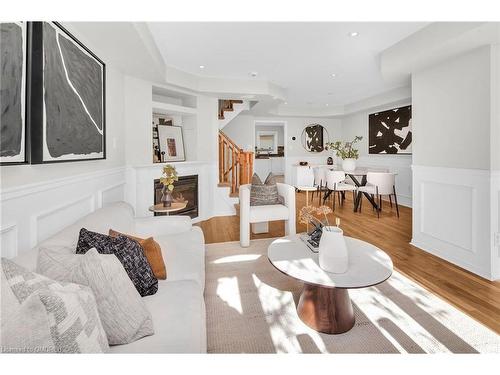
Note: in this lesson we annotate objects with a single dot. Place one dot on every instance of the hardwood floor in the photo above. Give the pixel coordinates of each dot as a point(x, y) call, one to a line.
point(475, 296)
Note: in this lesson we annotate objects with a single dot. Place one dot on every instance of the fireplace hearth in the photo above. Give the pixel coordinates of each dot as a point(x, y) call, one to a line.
point(184, 189)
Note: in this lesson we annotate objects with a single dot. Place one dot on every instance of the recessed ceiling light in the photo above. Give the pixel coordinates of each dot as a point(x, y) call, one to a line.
point(254, 74)
point(327, 104)
point(285, 103)
point(333, 75)
point(353, 34)
point(202, 66)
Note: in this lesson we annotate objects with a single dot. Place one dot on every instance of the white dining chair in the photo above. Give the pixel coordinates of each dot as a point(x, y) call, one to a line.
point(379, 184)
point(335, 184)
point(319, 181)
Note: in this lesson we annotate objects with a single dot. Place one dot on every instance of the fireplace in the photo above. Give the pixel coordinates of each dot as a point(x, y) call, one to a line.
point(184, 189)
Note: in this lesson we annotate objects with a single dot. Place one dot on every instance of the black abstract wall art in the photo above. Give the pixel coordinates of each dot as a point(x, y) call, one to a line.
point(390, 131)
point(67, 97)
point(13, 43)
point(314, 137)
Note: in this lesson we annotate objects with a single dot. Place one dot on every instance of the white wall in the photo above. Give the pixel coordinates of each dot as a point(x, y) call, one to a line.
point(242, 131)
point(357, 124)
point(451, 112)
point(453, 115)
point(271, 128)
point(39, 200)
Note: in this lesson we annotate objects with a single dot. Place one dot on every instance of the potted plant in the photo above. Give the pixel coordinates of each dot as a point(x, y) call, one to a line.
point(168, 177)
point(346, 152)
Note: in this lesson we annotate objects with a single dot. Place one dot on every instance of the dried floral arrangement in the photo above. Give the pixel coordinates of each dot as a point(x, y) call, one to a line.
point(307, 216)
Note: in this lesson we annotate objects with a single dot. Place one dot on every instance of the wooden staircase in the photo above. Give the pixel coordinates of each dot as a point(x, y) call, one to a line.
point(227, 106)
point(235, 165)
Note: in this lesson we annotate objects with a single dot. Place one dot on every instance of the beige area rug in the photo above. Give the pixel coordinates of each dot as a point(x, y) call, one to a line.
point(251, 308)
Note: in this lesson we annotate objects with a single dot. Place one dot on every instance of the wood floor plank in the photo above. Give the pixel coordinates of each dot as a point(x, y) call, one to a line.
point(475, 296)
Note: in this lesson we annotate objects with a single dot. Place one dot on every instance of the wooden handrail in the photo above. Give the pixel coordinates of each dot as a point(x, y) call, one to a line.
point(235, 164)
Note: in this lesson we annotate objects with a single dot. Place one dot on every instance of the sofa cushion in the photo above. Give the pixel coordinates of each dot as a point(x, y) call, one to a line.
point(152, 251)
point(123, 313)
point(72, 317)
point(178, 310)
point(268, 213)
point(185, 255)
point(130, 254)
point(119, 216)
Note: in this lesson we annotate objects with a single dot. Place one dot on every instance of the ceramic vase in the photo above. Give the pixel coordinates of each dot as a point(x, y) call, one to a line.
point(348, 165)
point(166, 197)
point(333, 256)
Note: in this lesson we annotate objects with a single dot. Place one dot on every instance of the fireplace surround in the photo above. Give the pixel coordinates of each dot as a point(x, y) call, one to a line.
point(186, 188)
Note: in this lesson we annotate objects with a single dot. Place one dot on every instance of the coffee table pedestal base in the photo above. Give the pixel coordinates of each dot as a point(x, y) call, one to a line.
point(327, 310)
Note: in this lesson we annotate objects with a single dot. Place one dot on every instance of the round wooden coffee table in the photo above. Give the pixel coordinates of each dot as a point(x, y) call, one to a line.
point(324, 304)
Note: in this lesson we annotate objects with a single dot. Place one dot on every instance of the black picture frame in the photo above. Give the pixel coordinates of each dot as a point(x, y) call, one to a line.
point(26, 142)
point(35, 94)
point(382, 127)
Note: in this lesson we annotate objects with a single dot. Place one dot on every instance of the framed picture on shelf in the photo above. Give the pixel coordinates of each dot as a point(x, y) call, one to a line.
point(66, 87)
point(13, 52)
point(171, 142)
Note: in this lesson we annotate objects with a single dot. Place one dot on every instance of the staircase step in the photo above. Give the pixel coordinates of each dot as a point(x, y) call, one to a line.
point(224, 184)
point(236, 194)
point(237, 101)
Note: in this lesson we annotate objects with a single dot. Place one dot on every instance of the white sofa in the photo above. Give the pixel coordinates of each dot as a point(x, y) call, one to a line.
point(178, 308)
point(259, 216)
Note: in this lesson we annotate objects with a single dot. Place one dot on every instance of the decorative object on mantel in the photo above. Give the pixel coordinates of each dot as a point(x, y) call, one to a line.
point(171, 143)
point(168, 178)
point(333, 256)
point(389, 132)
point(329, 161)
point(346, 152)
point(303, 163)
point(314, 137)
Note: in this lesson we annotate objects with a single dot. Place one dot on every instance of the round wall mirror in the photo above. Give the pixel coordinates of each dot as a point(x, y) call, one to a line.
point(314, 137)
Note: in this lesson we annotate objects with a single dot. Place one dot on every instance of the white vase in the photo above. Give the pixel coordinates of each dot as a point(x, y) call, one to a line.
point(348, 165)
point(333, 255)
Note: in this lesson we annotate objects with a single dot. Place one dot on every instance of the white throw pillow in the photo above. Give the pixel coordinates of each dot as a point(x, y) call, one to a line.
point(43, 315)
point(123, 313)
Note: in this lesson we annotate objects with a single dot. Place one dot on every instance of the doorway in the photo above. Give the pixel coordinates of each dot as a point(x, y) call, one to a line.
point(270, 149)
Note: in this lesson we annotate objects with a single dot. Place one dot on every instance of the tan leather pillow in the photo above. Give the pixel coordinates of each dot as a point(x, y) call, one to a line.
point(152, 251)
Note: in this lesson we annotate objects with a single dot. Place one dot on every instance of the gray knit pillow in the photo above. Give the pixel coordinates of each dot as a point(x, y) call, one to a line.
point(264, 194)
point(72, 317)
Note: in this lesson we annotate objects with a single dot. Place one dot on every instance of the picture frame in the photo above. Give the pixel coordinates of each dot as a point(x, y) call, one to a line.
point(171, 142)
point(14, 47)
point(390, 131)
point(64, 73)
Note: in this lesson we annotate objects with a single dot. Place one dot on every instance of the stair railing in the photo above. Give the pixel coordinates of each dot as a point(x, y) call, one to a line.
point(235, 164)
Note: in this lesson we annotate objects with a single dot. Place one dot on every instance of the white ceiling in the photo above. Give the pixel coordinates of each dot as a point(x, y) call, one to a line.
point(298, 56)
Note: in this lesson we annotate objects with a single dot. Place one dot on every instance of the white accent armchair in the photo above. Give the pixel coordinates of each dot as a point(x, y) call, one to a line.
point(261, 215)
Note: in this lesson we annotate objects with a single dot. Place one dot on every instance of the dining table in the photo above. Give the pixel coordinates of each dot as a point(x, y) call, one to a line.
point(358, 177)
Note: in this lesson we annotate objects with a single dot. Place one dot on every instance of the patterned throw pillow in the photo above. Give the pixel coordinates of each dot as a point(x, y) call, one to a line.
point(72, 317)
point(128, 252)
point(123, 313)
point(263, 194)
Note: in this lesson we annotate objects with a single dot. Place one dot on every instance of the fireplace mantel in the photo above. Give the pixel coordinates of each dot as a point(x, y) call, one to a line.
point(140, 184)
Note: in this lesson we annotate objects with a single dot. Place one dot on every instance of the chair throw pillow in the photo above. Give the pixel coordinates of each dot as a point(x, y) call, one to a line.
point(152, 251)
point(123, 313)
point(71, 312)
point(128, 252)
point(263, 194)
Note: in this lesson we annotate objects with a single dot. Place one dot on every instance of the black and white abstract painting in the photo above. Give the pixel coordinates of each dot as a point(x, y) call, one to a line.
point(389, 132)
point(12, 92)
point(73, 99)
point(314, 137)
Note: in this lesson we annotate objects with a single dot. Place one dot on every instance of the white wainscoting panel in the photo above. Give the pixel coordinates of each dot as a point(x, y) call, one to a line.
point(451, 216)
point(32, 213)
point(495, 225)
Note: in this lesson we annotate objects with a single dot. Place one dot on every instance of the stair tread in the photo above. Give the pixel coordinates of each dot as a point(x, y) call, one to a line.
point(224, 184)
